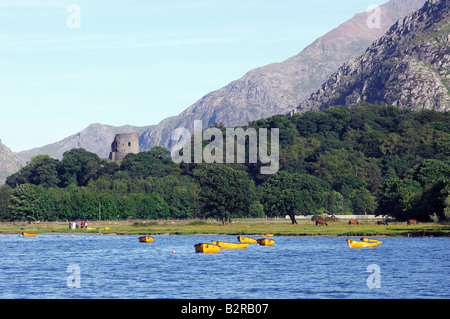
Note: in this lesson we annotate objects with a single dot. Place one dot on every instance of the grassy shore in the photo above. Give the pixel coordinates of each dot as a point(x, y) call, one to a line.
point(279, 227)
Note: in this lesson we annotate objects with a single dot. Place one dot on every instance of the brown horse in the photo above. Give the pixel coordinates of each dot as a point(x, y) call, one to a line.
point(412, 222)
point(321, 222)
point(353, 222)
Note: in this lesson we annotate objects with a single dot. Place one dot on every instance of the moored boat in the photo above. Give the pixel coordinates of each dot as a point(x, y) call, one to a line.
point(369, 240)
point(243, 239)
point(357, 244)
point(267, 235)
point(226, 245)
point(29, 235)
point(206, 248)
point(266, 242)
point(146, 239)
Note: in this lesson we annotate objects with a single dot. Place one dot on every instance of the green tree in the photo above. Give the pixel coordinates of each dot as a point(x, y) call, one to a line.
point(85, 204)
point(108, 207)
point(44, 171)
point(350, 183)
point(225, 192)
point(334, 202)
point(5, 200)
point(447, 209)
point(151, 206)
point(127, 206)
point(41, 170)
point(155, 162)
point(78, 167)
point(362, 201)
point(29, 202)
point(293, 194)
point(429, 171)
point(396, 197)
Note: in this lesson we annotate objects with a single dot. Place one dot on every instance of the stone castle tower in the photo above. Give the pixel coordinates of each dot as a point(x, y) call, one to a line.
point(124, 144)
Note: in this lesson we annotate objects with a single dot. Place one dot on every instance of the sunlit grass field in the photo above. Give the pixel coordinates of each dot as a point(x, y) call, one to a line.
point(279, 227)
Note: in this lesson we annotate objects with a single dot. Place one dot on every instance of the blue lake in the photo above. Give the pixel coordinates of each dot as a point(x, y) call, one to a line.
point(295, 267)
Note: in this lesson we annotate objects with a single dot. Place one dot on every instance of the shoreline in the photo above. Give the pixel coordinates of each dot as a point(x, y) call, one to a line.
point(244, 227)
point(224, 235)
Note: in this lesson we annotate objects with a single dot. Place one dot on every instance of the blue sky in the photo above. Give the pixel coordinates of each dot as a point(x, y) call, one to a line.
point(152, 59)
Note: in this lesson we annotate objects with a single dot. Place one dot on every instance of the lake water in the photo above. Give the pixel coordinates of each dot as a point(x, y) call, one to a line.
point(82, 267)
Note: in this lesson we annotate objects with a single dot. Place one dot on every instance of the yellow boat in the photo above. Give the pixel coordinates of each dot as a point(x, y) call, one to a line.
point(29, 235)
point(358, 244)
point(225, 245)
point(266, 242)
point(206, 248)
point(249, 240)
point(146, 239)
point(371, 240)
point(267, 235)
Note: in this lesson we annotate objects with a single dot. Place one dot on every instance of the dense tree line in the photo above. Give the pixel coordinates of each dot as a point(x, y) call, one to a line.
point(364, 160)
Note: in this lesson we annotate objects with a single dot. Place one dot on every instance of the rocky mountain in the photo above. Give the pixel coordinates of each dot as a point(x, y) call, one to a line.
point(9, 162)
point(272, 89)
point(277, 88)
point(409, 67)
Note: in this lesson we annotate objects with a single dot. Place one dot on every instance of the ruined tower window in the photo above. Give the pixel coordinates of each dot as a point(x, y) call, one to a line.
point(129, 143)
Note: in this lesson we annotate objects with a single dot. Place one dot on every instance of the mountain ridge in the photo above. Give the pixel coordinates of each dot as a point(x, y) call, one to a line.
point(274, 88)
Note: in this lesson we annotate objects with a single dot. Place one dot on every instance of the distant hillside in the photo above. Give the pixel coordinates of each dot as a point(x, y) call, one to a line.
point(96, 138)
point(409, 67)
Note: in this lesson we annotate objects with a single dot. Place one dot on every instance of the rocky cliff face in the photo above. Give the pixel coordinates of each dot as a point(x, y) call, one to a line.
point(409, 67)
point(9, 163)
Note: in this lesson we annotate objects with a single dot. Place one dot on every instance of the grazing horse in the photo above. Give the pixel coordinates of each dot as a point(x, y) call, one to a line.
point(382, 222)
point(353, 222)
point(412, 222)
point(321, 222)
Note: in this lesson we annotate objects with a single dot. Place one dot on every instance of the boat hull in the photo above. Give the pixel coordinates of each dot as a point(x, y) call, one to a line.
point(359, 244)
point(266, 242)
point(225, 245)
point(249, 240)
point(146, 239)
point(29, 235)
point(206, 248)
